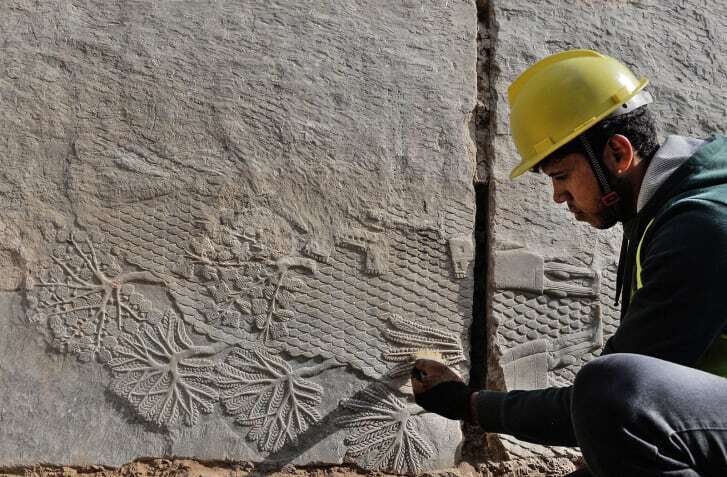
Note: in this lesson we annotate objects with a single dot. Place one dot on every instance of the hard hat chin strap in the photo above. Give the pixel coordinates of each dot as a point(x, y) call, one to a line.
point(609, 197)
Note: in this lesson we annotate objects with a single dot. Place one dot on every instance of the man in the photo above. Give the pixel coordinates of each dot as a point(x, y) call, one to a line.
point(655, 402)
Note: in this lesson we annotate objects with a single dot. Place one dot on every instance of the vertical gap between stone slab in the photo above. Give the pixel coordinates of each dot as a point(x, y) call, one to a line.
point(478, 331)
point(484, 123)
point(474, 449)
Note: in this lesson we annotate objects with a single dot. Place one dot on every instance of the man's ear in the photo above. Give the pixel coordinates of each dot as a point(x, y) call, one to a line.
point(619, 154)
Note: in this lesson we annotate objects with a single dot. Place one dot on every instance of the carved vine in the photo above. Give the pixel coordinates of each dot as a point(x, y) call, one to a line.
point(89, 305)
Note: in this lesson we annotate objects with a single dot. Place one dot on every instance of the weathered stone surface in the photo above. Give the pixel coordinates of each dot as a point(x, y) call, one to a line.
point(545, 327)
point(227, 225)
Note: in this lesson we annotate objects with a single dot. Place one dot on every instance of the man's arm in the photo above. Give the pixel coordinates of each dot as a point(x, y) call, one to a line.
point(541, 416)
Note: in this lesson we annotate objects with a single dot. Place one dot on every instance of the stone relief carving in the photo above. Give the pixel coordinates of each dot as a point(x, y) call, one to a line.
point(407, 337)
point(462, 251)
point(87, 300)
point(163, 374)
point(251, 320)
point(318, 249)
point(263, 392)
point(527, 271)
point(374, 245)
point(526, 365)
point(550, 316)
point(383, 432)
point(245, 281)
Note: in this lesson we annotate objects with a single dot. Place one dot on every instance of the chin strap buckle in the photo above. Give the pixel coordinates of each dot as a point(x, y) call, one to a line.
point(610, 199)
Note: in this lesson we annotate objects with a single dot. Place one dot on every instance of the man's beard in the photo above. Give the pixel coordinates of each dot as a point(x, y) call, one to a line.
point(622, 211)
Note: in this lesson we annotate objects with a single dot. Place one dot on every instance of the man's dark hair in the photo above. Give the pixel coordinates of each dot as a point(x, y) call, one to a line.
point(637, 126)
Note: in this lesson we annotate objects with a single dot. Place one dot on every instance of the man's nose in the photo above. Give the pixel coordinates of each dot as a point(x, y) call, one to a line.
point(559, 195)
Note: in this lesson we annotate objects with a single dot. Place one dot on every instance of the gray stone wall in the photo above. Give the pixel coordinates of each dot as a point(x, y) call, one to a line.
point(228, 225)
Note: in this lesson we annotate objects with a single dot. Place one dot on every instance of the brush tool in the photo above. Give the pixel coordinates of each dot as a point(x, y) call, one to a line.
point(428, 354)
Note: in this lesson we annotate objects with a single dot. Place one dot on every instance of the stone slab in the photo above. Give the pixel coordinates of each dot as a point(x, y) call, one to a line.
point(227, 225)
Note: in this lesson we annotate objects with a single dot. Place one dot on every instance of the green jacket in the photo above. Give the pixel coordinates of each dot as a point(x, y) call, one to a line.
point(673, 265)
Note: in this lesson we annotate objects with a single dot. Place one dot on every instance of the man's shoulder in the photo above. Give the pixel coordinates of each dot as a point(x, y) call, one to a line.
point(697, 218)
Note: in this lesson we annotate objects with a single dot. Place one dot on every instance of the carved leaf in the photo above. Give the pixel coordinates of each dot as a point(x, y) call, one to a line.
point(156, 371)
point(262, 391)
point(383, 434)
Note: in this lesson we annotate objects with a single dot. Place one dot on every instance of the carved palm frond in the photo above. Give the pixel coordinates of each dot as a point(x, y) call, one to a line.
point(408, 337)
point(383, 434)
point(159, 372)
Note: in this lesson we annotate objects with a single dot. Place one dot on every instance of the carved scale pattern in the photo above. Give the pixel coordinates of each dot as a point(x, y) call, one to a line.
point(525, 317)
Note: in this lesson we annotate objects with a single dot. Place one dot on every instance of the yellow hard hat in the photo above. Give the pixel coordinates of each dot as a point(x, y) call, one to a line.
point(563, 95)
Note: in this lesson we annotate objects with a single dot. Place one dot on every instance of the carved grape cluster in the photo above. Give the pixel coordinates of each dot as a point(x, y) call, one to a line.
point(249, 287)
point(88, 305)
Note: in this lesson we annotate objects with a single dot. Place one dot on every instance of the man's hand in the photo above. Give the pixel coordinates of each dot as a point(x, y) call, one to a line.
point(440, 390)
